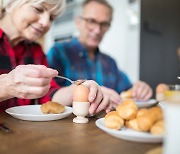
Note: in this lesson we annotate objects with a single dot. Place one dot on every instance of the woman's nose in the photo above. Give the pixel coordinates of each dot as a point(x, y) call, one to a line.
point(45, 20)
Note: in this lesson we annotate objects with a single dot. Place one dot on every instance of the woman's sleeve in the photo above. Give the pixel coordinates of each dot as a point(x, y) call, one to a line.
point(54, 86)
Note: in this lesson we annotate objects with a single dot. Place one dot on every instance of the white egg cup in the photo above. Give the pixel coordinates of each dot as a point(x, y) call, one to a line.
point(160, 97)
point(81, 109)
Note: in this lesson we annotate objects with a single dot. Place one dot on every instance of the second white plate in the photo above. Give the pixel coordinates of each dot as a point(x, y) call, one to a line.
point(33, 113)
point(129, 134)
point(149, 103)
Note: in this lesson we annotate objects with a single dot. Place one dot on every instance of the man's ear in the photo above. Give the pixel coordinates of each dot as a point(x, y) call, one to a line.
point(77, 21)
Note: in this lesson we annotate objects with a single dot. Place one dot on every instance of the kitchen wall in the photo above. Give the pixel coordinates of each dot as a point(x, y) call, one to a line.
point(122, 40)
point(160, 42)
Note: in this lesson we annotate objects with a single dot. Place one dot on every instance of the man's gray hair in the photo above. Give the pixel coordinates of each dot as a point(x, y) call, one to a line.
point(103, 2)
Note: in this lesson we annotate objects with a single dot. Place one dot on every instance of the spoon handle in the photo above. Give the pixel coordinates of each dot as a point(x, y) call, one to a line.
point(62, 77)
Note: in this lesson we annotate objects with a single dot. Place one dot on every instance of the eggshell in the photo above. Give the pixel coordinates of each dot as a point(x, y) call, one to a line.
point(81, 93)
point(161, 88)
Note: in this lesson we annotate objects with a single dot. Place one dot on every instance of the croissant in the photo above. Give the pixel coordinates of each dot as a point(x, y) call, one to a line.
point(126, 94)
point(52, 107)
point(132, 124)
point(142, 112)
point(127, 109)
point(146, 121)
point(113, 120)
point(158, 128)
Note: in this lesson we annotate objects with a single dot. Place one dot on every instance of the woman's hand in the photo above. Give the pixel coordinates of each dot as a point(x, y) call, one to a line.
point(112, 94)
point(28, 81)
point(95, 96)
point(101, 98)
point(98, 100)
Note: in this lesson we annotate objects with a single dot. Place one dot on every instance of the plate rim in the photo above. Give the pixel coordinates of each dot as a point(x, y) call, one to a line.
point(23, 116)
point(66, 107)
point(148, 138)
point(147, 103)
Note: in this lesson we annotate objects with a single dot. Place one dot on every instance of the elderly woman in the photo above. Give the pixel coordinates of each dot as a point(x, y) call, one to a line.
point(24, 75)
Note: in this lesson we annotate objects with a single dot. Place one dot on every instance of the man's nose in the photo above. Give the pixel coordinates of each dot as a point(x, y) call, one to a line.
point(97, 28)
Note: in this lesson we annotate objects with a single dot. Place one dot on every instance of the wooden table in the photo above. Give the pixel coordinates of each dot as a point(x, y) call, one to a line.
point(63, 137)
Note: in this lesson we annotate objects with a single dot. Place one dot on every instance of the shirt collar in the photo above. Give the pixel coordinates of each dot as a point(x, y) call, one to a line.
point(81, 48)
point(1, 33)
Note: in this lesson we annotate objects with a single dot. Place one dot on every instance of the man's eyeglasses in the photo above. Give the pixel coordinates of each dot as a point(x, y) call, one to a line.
point(92, 23)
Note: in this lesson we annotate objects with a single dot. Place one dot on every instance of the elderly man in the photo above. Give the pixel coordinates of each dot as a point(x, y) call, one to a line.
point(81, 58)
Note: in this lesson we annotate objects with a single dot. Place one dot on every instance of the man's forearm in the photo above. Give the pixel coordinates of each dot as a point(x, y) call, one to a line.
point(64, 95)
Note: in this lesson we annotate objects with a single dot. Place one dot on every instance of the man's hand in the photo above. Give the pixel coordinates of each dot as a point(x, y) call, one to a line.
point(141, 91)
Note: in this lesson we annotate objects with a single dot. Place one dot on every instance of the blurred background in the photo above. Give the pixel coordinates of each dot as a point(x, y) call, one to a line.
point(144, 37)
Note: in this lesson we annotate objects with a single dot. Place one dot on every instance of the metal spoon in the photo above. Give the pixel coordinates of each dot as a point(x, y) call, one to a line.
point(77, 82)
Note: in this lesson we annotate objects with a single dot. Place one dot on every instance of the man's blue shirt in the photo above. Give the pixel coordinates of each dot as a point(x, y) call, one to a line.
point(71, 60)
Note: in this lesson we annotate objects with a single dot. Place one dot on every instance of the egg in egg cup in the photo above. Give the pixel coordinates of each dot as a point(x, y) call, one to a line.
point(160, 91)
point(81, 104)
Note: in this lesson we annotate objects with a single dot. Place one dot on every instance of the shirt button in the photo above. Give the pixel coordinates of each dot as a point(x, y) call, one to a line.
point(80, 54)
point(93, 75)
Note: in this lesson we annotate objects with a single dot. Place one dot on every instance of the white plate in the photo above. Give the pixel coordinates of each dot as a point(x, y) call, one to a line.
point(149, 103)
point(33, 113)
point(129, 134)
point(162, 104)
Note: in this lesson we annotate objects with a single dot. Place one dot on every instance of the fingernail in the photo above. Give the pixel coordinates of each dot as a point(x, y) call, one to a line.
point(71, 98)
point(108, 110)
point(92, 98)
point(50, 69)
point(90, 111)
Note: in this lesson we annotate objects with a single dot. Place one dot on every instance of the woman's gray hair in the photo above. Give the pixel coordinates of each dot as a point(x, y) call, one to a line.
point(59, 5)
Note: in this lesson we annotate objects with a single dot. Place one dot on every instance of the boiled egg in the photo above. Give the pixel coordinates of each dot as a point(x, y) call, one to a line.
point(161, 88)
point(81, 93)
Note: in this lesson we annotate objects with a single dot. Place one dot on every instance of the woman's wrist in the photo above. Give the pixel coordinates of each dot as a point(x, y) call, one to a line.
point(3, 90)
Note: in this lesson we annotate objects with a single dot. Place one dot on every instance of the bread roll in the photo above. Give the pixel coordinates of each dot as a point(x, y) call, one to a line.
point(52, 107)
point(157, 128)
point(126, 94)
point(132, 124)
point(113, 120)
point(146, 121)
point(142, 112)
point(127, 109)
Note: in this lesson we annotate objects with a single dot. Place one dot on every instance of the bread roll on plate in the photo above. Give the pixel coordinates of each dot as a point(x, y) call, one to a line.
point(132, 124)
point(127, 109)
point(113, 120)
point(142, 112)
point(52, 107)
point(158, 128)
point(146, 121)
point(126, 94)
